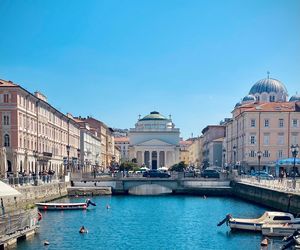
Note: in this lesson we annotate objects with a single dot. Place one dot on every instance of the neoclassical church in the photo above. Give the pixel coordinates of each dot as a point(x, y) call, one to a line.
point(154, 142)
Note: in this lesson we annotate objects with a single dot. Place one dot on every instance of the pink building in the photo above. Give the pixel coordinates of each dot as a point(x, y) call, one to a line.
point(34, 136)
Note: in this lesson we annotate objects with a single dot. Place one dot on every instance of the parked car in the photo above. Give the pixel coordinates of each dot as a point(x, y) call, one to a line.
point(210, 173)
point(155, 173)
point(263, 175)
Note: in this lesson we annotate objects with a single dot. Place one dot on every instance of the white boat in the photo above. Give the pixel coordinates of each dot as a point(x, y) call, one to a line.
point(277, 230)
point(267, 218)
point(65, 206)
point(61, 206)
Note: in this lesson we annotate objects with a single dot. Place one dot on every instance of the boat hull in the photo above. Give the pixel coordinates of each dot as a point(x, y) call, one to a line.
point(235, 225)
point(279, 230)
point(61, 206)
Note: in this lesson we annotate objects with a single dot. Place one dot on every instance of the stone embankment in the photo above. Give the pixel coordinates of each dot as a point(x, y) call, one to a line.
point(33, 194)
point(279, 200)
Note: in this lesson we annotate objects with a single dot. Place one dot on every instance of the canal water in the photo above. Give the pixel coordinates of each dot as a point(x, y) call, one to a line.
point(148, 222)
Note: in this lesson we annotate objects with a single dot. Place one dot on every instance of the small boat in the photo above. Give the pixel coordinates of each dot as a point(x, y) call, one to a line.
point(61, 206)
point(65, 206)
point(277, 230)
point(256, 224)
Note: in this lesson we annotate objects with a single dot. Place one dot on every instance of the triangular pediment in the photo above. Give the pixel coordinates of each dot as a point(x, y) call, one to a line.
point(154, 142)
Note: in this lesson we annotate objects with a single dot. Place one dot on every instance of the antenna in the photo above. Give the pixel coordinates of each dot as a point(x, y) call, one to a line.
point(268, 73)
point(170, 116)
point(139, 117)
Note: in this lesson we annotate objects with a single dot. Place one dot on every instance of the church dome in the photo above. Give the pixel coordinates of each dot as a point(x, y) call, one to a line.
point(295, 98)
point(249, 98)
point(268, 85)
point(154, 115)
point(238, 105)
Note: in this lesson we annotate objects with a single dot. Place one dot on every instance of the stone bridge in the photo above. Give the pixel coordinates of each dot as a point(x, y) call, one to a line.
point(153, 186)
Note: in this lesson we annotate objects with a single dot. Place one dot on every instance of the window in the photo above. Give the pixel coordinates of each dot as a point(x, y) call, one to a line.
point(6, 140)
point(295, 138)
point(258, 98)
point(5, 120)
point(280, 154)
point(280, 139)
point(266, 139)
point(267, 123)
point(281, 123)
point(266, 154)
point(6, 98)
point(295, 123)
point(282, 218)
point(252, 139)
point(252, 123)
point(252, 153)
point(272, 98)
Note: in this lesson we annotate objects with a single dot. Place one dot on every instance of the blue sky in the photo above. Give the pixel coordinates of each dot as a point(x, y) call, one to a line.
point(114, 60)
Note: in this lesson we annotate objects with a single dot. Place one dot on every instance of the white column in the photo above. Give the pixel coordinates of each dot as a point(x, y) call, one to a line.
point(150, 159)
point(158, 165)
point(143, 157)
point(164, 162)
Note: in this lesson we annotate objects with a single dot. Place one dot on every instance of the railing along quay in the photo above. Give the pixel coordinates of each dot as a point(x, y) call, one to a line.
point(31, 180)
point(284, 184)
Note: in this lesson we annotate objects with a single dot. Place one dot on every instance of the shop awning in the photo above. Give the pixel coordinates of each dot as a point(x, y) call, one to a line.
point(288, 162)
point(8, 191)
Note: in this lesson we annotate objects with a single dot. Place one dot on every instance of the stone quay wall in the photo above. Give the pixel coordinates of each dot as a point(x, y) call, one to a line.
point(279, 200)
point(32, 194)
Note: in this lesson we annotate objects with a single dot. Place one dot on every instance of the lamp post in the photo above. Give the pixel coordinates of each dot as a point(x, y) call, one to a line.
point(68, 156)
point(35, 155)
point(295, 151)
point(234, 156)
point(224, 155)
point(259, 154)
point(78, 158)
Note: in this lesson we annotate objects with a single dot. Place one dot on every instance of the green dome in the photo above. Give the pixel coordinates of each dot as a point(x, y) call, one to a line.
point(154, 115)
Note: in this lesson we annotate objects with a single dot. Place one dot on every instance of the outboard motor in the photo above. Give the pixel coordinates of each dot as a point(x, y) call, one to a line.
point(89, 202)
point(226, 219)
point(292, 240)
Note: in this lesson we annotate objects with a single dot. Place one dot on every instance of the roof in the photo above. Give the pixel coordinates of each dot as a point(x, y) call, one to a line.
point(4, 83)
point(268, 85)
point(269, 107)
point(8, 191)
point(154, 115)
point(121, 139)
point(185, 143)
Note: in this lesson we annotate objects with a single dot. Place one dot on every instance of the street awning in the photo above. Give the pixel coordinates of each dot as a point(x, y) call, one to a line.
point(288, 161)
point(8, 191)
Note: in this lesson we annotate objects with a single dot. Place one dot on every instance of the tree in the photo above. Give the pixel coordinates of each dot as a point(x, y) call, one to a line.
point(179, 167)
point(128, 165)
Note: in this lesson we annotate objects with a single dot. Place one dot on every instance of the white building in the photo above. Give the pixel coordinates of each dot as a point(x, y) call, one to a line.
point(123, 144)
point(154, 141)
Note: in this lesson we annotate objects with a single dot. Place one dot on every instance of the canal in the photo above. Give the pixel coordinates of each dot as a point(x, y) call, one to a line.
point(148, 222)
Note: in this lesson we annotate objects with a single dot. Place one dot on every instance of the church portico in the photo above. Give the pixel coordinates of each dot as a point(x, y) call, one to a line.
point(154, 142)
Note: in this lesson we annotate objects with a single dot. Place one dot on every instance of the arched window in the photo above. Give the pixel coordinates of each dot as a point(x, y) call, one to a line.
point(6, 140)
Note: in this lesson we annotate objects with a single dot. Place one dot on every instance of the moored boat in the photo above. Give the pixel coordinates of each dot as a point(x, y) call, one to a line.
point(256, 224)
point(65, 206)
point(277, 230)
point(61, 206)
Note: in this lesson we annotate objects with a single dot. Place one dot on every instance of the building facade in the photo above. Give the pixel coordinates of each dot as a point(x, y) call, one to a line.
point(123, 144)
point(154, 142)
point(213, 136)
point(33, 134)
point(263, 122)
point(90, 148)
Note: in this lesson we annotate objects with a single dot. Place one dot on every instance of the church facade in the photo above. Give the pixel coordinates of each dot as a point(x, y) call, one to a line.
point(154, 142)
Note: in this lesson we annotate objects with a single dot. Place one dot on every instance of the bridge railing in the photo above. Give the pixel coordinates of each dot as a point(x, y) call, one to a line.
point(283, 184)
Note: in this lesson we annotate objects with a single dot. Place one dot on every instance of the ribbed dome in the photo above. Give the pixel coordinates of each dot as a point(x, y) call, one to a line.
point(249, 98)
point(238, 105)
point(295, 98)
point(268, 85)
point(154, 115)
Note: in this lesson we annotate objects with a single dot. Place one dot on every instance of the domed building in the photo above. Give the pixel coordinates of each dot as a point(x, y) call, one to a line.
point(154, 142)
point(248, 99)
point(269, 90)
point(295, 98)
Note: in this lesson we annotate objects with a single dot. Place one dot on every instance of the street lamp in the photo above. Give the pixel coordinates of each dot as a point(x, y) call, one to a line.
point(68, 156)
point(295, 151)
point(35, 155)
point(78, 158)
point(234, 156)
point(224, 155)
point(259, 155)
